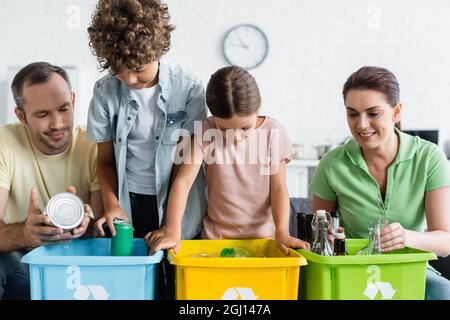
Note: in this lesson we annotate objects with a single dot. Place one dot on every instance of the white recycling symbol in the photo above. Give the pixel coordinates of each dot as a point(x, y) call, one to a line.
point(374, 285)
point(84, 292)
point(97, 292)
point(239, 294)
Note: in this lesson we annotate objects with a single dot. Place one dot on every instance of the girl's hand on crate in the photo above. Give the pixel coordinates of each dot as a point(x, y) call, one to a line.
point(393, 237)
point(108, 218)
point(161, 239)
point(37, 229)
point(284, 241)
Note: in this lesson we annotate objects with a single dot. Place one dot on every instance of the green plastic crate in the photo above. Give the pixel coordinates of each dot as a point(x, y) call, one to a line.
point(397, 275)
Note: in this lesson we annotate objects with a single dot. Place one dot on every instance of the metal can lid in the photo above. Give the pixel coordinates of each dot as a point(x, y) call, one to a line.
point(123, 223)
point(65, 210)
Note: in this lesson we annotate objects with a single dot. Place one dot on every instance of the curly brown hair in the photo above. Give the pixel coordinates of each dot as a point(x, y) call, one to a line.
point(129, 33)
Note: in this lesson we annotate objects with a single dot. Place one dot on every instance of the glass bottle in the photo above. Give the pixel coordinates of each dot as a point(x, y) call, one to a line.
point(321, 226)
point(340, 245)
point(335, 220)
point(375, 227)
point(304, 227)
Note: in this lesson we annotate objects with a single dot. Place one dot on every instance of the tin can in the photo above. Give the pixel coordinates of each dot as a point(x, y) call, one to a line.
point(122, 242)
point(304, 227)
point(65, 210)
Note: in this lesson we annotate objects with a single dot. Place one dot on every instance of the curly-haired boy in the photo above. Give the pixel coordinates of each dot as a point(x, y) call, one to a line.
point(136, 113)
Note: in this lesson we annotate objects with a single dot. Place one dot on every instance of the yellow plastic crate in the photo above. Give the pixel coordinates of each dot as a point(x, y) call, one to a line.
point(269, 276)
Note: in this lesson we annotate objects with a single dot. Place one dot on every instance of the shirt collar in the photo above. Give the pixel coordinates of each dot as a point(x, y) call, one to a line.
point(163, 83)
point(407, 149)
point(163, 80)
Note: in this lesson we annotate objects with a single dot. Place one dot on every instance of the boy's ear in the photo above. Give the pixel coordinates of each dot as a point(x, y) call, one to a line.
point(20, 114)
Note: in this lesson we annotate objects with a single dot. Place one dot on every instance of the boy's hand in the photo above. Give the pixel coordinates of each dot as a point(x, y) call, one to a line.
point(163, 239)
point(108, 217)
point(284, 241)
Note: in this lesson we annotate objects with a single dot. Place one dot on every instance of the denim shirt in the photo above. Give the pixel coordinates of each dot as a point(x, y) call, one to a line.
point(181, 101)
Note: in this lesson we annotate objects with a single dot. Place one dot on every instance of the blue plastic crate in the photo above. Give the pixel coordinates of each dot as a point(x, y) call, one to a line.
point(85, 270)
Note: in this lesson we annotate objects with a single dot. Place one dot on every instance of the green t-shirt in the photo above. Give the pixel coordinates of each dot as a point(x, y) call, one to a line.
point(343, 176)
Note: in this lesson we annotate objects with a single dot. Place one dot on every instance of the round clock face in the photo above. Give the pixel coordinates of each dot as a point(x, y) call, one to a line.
point(245, 46)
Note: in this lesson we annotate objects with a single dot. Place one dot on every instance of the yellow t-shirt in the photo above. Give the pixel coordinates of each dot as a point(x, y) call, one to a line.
point(22, 167)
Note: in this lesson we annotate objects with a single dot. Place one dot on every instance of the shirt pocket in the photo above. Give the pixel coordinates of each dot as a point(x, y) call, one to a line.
point(174, 124)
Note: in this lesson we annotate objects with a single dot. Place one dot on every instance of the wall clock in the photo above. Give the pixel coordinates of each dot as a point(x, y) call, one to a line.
point(245, 45)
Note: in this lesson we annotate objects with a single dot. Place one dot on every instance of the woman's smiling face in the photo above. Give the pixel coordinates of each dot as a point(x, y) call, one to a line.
point(370, 117)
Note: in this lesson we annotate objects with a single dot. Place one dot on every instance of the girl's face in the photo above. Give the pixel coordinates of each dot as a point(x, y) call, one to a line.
point(240, 127)
point(371, 118)
point(145, 77)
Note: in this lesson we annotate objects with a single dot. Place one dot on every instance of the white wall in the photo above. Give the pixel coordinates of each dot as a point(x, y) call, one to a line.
point(47, 30)
point(314, 46)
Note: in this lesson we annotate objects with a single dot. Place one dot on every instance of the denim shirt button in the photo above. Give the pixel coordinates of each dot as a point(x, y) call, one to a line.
point(120, 139)
point(157, 137)
point(129, 118)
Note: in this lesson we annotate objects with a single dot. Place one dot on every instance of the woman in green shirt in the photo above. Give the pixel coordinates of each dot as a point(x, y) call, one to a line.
point(386, 173)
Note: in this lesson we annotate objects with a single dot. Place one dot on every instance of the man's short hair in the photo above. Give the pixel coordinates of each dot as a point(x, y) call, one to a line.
point(34, 73)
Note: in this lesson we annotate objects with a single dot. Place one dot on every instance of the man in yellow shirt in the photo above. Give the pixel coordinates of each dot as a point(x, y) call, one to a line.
point(41, 156)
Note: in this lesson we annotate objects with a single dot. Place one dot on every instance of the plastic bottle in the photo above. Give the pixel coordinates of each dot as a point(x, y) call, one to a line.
point(321, 226)
point(237, 252)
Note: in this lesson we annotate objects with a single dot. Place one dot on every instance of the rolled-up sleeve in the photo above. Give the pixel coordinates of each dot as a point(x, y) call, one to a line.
point(98, 122)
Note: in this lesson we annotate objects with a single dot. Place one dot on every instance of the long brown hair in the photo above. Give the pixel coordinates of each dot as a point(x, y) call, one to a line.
point(232, 90)
point(378, 79)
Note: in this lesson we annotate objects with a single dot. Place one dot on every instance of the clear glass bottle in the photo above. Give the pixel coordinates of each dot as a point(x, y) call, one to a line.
point(375, 227)
point(321, 227)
